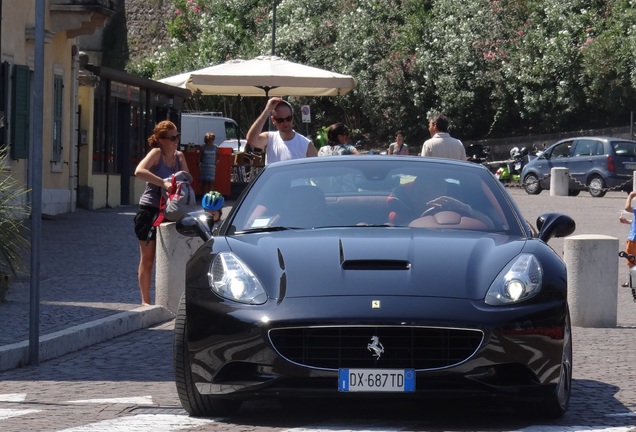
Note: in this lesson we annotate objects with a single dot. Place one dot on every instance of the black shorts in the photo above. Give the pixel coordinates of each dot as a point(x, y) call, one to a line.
point(144, 219)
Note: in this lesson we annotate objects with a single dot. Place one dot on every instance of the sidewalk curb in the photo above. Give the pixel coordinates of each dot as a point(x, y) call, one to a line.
point(83, 335)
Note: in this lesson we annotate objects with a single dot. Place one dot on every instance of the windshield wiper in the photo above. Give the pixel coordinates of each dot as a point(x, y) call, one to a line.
point(266, 229)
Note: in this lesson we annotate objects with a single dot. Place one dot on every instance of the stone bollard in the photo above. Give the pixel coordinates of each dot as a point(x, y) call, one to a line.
point(559, 182)
point(592, 261)
point(173, 252)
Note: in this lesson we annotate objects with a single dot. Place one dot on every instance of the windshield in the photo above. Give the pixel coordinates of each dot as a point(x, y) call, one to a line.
point(375, 192)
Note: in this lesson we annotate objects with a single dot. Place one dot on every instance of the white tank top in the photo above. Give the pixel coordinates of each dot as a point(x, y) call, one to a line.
point(280, 150)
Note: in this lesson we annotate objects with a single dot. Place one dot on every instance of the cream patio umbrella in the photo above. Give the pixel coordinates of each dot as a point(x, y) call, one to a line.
point(263, 76)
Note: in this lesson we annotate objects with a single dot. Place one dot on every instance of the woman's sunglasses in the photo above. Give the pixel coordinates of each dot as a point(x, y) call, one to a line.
point(172, 138)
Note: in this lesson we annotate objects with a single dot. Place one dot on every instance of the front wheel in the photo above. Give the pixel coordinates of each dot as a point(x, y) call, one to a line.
point(531, 184)
point(195, 403)
point(555, 405)
point(596, 187)
point(557, 402)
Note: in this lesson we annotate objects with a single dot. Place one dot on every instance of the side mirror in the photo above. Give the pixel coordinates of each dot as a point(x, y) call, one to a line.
point(196, 224)
point(554, 225)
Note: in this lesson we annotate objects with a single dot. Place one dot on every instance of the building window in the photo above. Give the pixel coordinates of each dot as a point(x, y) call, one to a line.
point(99, 135)
point(58, 103)
point(4, 92)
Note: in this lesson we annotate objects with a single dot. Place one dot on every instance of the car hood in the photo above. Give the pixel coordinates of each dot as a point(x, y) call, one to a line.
point(376, 261)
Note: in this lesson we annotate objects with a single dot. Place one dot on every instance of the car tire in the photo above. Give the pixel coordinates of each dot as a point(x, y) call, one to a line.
point(596, 186)
point(574, 192)
point(195, 403)
point(531, 184)
point(556, 403)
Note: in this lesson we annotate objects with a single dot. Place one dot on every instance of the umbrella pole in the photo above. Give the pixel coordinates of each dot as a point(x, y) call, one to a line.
point(269, 118)
point(238, 123)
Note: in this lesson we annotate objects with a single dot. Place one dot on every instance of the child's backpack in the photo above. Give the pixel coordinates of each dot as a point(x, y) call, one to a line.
point(180, 199)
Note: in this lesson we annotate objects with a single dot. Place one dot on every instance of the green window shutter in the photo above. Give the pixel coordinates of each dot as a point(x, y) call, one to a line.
point(58, 99)
point(4, 90)
point(21, 112)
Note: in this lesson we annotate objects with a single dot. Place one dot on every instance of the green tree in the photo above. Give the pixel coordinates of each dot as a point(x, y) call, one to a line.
point(495, 67)
point(609, 62)
point(204, 33)
point(542, 73)
point(373, 41)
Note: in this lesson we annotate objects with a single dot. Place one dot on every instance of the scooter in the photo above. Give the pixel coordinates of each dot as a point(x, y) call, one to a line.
point(511, 169)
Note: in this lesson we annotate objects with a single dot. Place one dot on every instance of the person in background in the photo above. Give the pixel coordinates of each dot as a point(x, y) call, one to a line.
point(630, 244)
point(337, 142)
point(156, 169)
point(399, 147)
point(441, 144)
point(207, 162)
point(285, 143)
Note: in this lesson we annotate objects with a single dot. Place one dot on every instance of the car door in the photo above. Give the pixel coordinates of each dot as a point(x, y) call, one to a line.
point(557, 156)
point(586, 157)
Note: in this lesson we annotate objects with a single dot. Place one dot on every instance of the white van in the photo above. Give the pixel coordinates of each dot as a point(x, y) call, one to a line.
point(194, 126)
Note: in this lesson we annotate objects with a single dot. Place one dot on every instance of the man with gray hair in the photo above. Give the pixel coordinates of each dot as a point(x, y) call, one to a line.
point(441, 144)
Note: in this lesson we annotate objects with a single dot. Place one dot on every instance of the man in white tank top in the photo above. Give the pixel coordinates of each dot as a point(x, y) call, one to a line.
point(285, 143)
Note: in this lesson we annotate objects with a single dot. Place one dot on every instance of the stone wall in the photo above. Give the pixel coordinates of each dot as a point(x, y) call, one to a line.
point(146, 25)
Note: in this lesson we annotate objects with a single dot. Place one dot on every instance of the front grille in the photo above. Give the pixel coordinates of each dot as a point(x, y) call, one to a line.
point(404, 347)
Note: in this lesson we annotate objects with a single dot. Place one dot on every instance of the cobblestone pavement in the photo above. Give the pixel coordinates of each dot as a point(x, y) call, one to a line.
point(88, 271)
point(592, 216)
point(126, 384)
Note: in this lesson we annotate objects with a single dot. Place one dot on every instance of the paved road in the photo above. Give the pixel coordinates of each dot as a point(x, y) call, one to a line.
point(127, 383)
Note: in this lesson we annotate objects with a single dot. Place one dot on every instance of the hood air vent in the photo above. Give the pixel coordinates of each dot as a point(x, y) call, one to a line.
point(376, 265)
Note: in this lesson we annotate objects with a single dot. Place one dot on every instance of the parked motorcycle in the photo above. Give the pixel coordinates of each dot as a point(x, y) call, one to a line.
point(510, 170)
point(477, 153)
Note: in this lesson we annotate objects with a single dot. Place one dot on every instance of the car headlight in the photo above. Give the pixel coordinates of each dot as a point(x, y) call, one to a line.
point(520, 280)
point(232, 279)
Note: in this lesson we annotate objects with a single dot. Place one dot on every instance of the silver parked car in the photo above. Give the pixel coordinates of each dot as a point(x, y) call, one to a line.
point(594, 163)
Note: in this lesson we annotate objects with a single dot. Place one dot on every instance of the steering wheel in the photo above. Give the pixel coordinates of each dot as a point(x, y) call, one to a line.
point(433, 210)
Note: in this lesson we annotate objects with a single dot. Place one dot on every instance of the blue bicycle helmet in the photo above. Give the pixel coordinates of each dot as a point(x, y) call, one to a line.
point(213, 200)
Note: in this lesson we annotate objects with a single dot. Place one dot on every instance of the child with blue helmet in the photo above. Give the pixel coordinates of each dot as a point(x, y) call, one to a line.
point(213, 202)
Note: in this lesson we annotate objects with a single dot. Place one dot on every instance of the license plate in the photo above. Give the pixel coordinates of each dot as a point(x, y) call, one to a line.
point(376, 380)
point(630, 166)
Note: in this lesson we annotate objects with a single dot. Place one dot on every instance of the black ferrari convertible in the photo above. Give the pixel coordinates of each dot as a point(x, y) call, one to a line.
point(374, 276)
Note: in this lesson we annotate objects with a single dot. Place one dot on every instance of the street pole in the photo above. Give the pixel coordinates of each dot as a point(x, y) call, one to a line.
point(35, 168)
